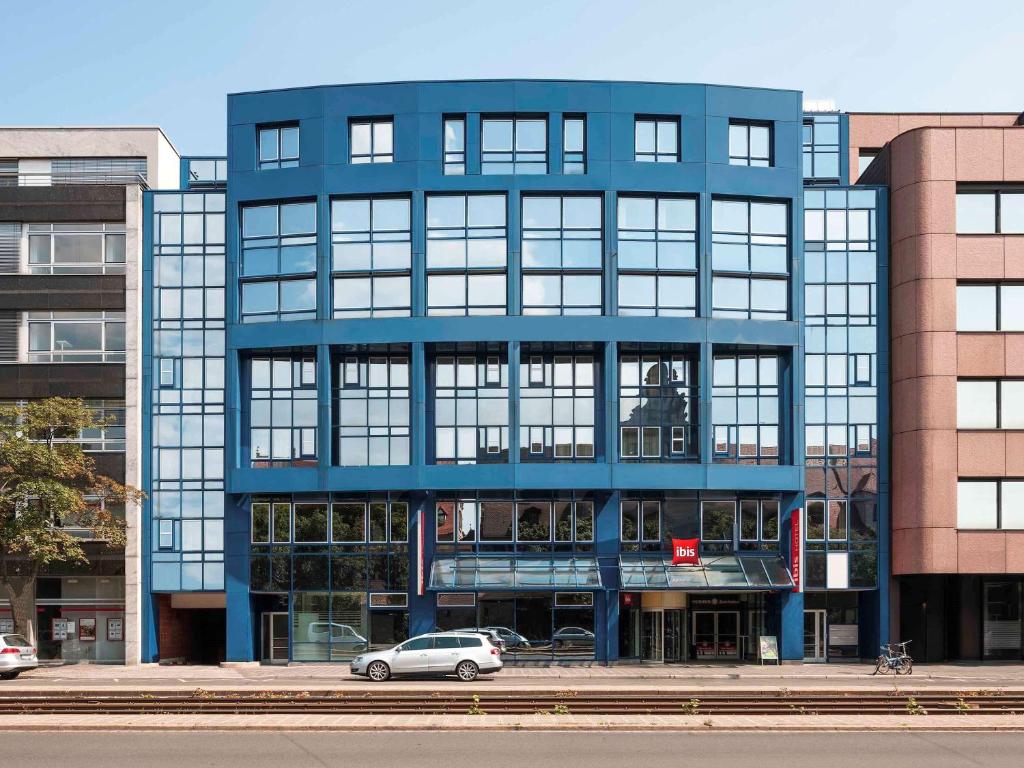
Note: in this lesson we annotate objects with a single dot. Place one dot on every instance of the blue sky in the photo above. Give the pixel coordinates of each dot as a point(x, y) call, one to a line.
point(86, 62)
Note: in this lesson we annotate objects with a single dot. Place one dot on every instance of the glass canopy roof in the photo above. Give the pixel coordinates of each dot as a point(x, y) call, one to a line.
point(717, 573)
point(509, 572)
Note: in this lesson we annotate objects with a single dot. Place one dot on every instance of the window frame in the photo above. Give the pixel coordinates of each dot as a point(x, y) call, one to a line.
point(280, 160)
point(656, 156)
point(749, 159)
point(997, 191)
point(519, 166)
point(373, 157)
point(376, 277)
point(562, 272)
point(453, 162)
point(569, 156)
point(998, 482)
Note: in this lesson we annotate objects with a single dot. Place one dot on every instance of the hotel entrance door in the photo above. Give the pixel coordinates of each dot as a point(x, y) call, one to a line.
point(662, 635)
point(716, 635)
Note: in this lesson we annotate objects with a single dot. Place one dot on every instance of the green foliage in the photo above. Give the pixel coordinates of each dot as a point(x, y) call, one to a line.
point(913, 708)
point(692, 707)
point(474, 708)
point(47, 486)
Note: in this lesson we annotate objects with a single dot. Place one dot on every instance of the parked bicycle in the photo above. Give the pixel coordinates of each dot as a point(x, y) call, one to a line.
point(895, 658)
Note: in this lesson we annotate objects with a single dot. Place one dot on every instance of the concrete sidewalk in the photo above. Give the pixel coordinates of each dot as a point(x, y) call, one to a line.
point(535, 722)
point(320, 677)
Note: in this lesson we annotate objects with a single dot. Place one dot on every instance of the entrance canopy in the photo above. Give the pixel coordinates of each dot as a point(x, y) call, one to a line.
point(472, 572)
point(716, 573)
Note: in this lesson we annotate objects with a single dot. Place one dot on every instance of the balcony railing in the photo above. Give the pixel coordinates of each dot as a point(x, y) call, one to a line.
point(63, 178)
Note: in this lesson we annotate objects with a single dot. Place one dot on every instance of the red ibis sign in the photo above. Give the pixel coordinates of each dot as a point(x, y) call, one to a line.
point(684, 552)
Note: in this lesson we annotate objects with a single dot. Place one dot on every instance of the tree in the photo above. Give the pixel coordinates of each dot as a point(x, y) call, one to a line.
point(48, 484)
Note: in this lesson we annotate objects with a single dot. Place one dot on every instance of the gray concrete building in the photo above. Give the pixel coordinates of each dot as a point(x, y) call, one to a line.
point(71, 224)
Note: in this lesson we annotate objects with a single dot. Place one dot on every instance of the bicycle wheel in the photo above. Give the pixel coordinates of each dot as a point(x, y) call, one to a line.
point(905, 666)
point(881, 667)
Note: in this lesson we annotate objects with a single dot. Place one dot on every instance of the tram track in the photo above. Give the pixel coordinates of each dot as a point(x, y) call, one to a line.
point(581, 702)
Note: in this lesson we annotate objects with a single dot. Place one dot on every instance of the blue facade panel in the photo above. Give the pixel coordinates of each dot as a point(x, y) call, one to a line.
point(335, 553)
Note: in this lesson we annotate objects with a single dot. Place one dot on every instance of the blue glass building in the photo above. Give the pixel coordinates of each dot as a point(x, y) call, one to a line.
point(455, 354)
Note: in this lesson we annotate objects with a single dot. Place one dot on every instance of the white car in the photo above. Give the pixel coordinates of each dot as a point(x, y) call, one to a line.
point(438, 653)
point(16, 655)
point(340, 635)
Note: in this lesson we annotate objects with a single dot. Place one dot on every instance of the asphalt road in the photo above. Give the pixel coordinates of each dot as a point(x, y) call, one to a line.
point(510, 750)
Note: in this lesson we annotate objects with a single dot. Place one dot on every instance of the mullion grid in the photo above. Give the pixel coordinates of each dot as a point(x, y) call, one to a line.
point(832, 242)
point(543, 274)
point(662, 237)
point(574, 159)
point(511, 159)
point(190, 352)
point(663, 127)
point(373, 415)
point(458, 524)
point(377, 154)
point(476, 281)
point(386, 287)
point(746, 418)
point(282, 276)
point(658, 427)
point(726, 276)
point(283, 411)
point(747, 156)
point(567, 431)
point(280, 159)
point(470, 424)
point(454, 160)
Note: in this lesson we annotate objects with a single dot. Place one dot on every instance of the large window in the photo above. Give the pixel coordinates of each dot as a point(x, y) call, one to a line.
point(990, 404)
point(514, 145)
point(658, 405)
point(745, 408)
point(991, 504)
point(108, 433)
point(278, 146)
point(471, 414)
point(640, 521)
point(373, 415)
point(371, 257)
point(282, 411)
point(750, 143)
point(656, 139)
point(454, 145)
point(278, 262)
point(821, 147)
point(987, 211)
point(557, 405)
point(76, 337)
point(990, 307)
point(345, 521)
point(187, 390)
point(467, 254)
point(75, 249)
point(574, 144)
point(562, 255)
point(500, 524)
point(371, 140)
point(657, 256)
point(750, 259)
point(841, 311)
point(828, 520)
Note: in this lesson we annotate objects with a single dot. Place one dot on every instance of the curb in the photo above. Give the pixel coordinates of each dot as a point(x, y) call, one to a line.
point(603, 726)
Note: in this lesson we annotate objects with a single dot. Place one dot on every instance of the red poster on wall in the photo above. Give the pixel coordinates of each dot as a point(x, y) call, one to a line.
point(796, 549)
point(684, 552)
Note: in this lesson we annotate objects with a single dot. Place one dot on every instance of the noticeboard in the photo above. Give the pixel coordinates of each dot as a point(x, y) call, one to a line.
point(768, 648)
